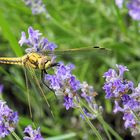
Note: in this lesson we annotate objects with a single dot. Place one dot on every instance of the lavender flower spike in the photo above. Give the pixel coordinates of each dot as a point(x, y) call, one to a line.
point(32, 134)
point(115, 86)
point(134, 9)
point(128, 97)
point(64, 83)
point(68, 102)
point(35, 42)
point(8, 119)
point(1, 88)
point(36, 6)
point(119, 3)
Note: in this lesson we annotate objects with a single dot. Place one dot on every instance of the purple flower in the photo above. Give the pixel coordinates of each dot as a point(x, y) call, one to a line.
point(134, 103)
point(89, 115)
point(64, 72)
point(117, 108)
point(136, 93)
point(125, 95)
point(53, 81)
point(109, 74)
point(119, 3)
point(87, 92)
point(129, 97)
point(131, 108)
point(34, 35)
point(8, 119)
point(115, 86)
point(134, 9)
point(23, 39)
point(32, 134)
point(36, 42)
point(129, 120)
point(121, 69)
point(75, 84)
point(36, 6)
point(1, 88)
point(68, 102)
point(125, 98)
point(63, 82)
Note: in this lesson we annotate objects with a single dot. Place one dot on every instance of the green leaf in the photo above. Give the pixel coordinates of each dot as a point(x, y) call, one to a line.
point(62, 137)
point(8, 34)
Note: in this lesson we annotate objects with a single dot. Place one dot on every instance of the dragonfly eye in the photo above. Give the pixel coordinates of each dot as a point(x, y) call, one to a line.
point(55, 64)
point(48, 64)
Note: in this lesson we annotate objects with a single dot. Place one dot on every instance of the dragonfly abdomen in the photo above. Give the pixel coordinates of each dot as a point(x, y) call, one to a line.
point(17, 61)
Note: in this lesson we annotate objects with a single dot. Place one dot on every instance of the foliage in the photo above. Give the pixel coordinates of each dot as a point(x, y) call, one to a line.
point(69, 24)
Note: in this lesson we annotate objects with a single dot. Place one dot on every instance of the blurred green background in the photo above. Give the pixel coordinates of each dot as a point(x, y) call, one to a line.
point(72, 24)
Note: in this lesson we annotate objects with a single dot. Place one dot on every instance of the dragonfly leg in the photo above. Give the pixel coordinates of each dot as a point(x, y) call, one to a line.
point(52, 65)
point(43, 72)
point(55, 64)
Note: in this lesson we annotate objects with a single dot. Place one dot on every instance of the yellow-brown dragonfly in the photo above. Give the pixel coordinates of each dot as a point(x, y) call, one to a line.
point(43, 61)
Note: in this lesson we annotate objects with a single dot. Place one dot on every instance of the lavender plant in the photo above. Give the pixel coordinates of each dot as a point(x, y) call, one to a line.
point(8, 123)
point(133, 7)
point(36, 6)
point(63, 82)
point(119, 3)
point(126, 97)
point(35, 42)
point(32, 134)
point(8, 119)
point(1, 89)
point(74, 23)
point(74, 93)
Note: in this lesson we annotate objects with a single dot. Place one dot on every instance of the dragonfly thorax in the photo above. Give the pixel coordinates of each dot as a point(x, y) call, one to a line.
point(36, 61)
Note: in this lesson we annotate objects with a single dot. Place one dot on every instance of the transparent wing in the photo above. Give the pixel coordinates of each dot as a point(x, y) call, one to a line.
point(95, 49)
point(28, 92)
point(34, 80)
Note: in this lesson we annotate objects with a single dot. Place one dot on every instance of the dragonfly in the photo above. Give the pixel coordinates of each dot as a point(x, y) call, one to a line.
point(43, 61)
point(32, 60)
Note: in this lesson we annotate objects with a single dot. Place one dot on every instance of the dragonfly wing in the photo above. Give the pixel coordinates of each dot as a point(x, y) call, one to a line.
point(28, 92)
point(79, 51)
point(35, 92)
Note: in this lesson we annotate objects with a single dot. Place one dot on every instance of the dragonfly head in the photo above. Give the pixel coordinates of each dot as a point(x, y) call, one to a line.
point(46, 63)
point(49, 64)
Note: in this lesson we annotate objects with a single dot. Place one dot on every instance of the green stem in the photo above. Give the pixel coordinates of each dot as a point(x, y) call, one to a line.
point(15, 135)
point(109, 128)
point(136, 115)
point(120, 20)
point(100, 119)
point(91, 125)
point(136, 24)
point(96, 113)
point(106, 127)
